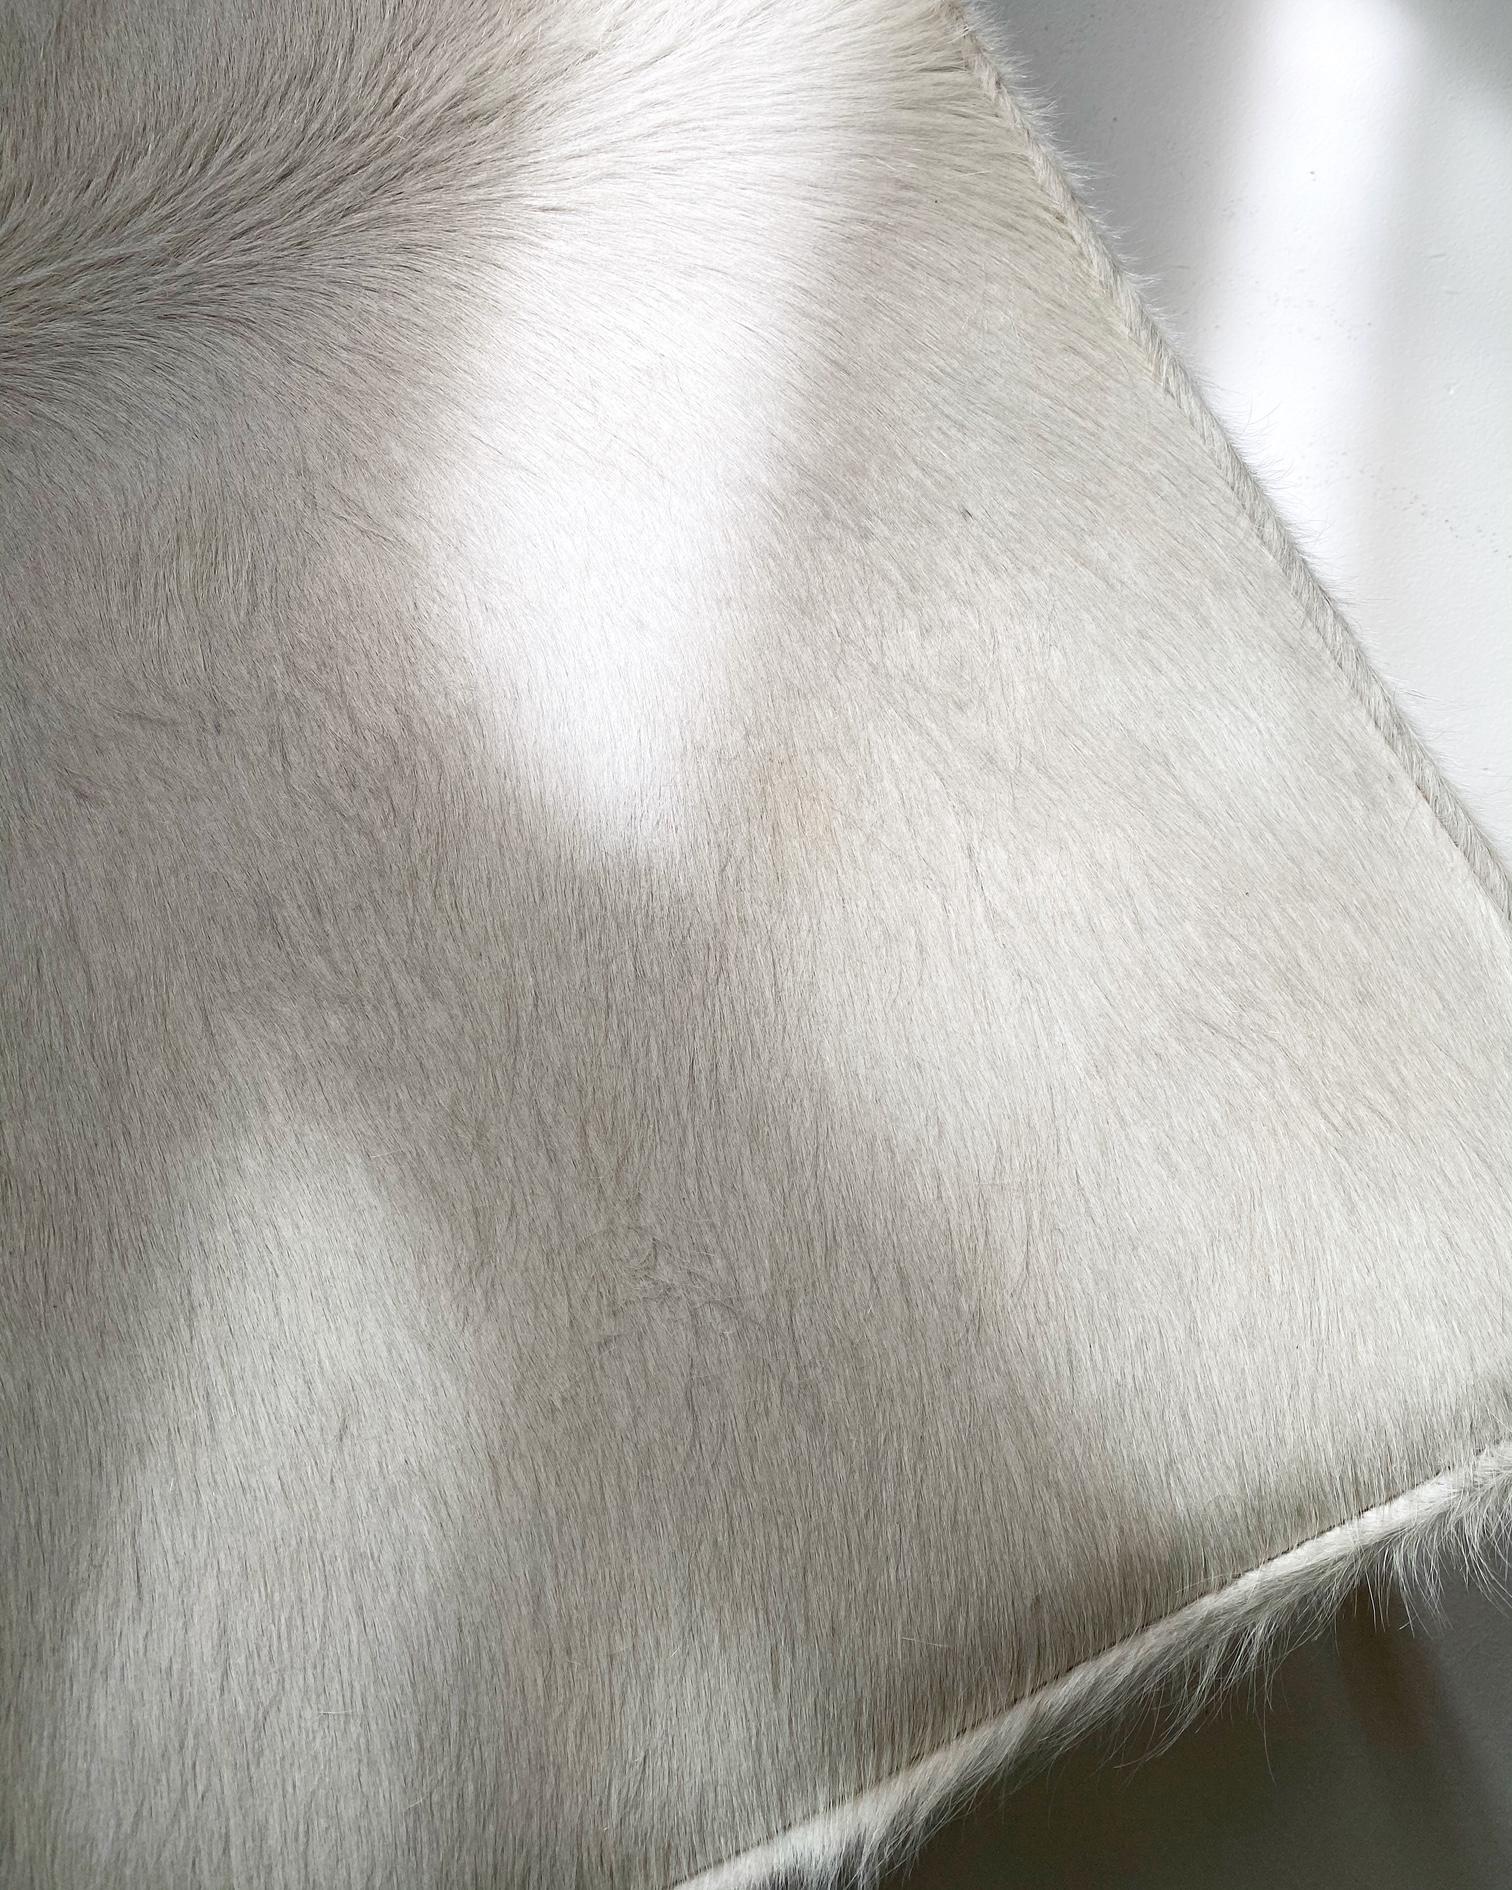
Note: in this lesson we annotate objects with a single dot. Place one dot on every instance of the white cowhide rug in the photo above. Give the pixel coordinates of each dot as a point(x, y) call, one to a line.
point(741, 1062)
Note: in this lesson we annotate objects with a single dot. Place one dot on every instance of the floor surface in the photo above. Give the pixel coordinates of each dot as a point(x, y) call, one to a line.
point(1318, 192)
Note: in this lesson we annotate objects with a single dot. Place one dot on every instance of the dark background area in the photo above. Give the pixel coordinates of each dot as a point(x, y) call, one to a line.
point(1376, 1758)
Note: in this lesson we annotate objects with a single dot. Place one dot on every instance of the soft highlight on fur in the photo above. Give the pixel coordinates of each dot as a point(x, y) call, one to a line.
point(727, 1044)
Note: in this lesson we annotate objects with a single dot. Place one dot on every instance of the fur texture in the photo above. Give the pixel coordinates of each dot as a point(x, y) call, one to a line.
point(726, 1035)
point(1187, 1660)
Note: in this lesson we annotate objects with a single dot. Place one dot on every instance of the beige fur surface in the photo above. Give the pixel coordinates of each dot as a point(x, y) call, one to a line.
point(729, 1028)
